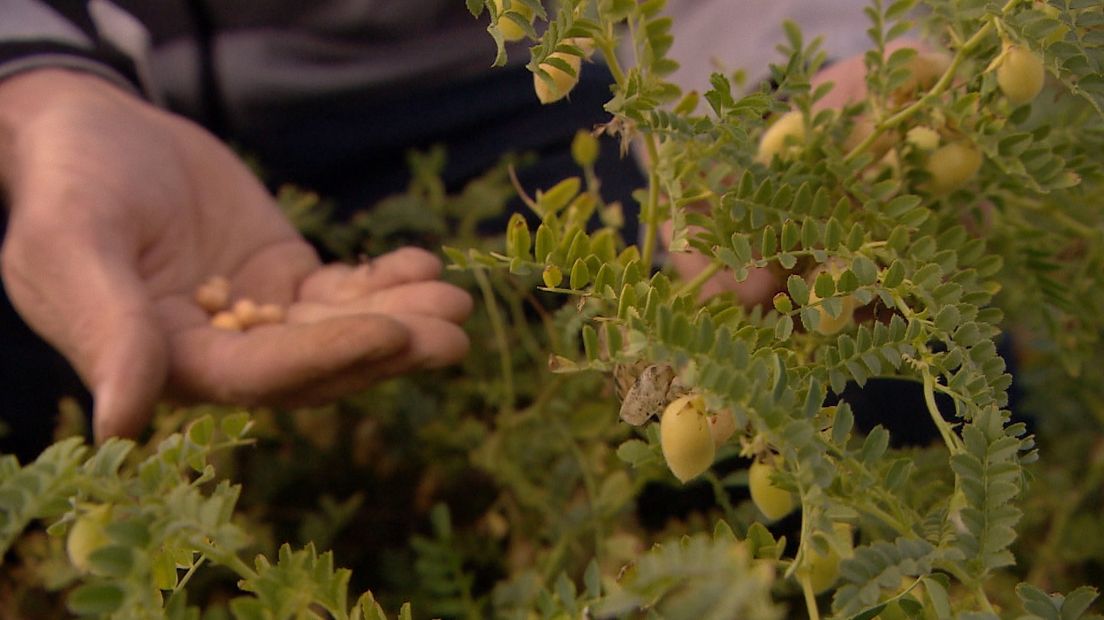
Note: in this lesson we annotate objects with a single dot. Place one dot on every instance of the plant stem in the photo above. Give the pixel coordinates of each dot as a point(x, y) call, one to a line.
point(650, 215)
point(948, 434)
point(886, 518)
point(810, 597)
point(803, 545)
point(498, 326)
point(231, 561)
point(721, 495)
point(188, 575)
point(1069, 222)
point(529, 202)
point(513, 294)
point(703, 276)
point(611, 59)
point(983, 600)
point(588, 481)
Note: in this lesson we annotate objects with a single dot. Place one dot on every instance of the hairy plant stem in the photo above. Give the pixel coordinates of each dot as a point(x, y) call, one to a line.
point(810, 597)
point(606, 48)
point(886, 518)
point(229, 560)
point(589, 483)
point(650, 215)
point(188, 575)
point(938, 89)
point(498, 326)
point(512, 292)
point(954, 444)
point(700, 279)
point(721, 495)
point(983, 600)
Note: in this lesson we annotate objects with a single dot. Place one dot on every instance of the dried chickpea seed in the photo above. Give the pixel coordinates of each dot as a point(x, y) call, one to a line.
point(247, 313)
point(226, 320)
point(214, 294)
point(270, 313)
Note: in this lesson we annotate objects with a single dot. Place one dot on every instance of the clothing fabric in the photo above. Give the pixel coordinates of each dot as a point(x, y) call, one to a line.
point(256, 55)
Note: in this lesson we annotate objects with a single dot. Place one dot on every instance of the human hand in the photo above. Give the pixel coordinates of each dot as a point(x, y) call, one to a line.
point(848, 76)
point(758, 288)
point(118, 210)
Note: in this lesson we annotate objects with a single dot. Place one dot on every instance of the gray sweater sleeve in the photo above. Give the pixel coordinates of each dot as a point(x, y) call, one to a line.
point(90, 37)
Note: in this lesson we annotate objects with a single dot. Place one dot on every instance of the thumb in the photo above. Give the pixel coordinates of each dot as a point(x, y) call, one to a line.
point(127, 376)
point(84, 296)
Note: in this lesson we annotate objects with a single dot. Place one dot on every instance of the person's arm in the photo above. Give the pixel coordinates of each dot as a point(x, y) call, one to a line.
point(119, 210)
point(91, 37)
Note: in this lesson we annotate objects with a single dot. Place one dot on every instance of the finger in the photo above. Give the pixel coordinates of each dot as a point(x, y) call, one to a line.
point(754, 290)
point(273, 273)
point(79, 289)
point(401, 266)
point(342, 282)
point(434, 344)
point(432, 298)
point(325, 282)
point(272, 363)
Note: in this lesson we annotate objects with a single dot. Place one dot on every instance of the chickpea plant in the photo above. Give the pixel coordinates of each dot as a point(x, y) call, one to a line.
point(968, 203)
point(907, 233)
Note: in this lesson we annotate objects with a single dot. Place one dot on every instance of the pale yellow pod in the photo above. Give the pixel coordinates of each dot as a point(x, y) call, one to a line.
point(510, 30)
point(87, 535)
point(685, 437)
point(827, 324)
point(823, 568)
point(772, 501)
point(721, 426)
point(923, 138)
point(861, 130)
point(562, 82)
point(924, 68)
point(790, 127)
point(1020, 74)
point(952, 165)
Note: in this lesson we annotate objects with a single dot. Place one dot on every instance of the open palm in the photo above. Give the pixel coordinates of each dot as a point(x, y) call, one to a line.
point(119, 210)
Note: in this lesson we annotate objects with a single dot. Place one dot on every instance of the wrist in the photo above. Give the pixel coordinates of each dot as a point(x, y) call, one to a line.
point(28, 96)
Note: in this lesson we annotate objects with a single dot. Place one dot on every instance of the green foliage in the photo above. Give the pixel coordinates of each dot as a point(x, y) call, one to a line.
point(696, 577)
point(942, 274)
point(517, 484)
point(167, 514)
